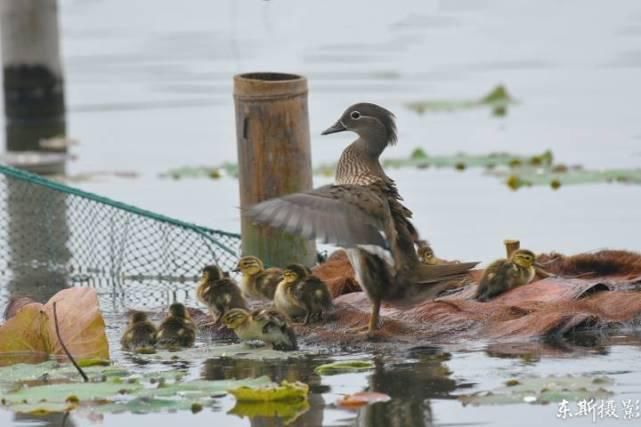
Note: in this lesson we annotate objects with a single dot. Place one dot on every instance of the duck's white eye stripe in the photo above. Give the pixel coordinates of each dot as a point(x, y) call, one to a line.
point(355, 115)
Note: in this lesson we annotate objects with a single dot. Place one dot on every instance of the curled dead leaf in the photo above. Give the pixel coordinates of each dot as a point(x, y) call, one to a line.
point(30, 336)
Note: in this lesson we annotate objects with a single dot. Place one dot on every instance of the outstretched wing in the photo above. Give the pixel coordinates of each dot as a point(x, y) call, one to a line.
point(344, 215)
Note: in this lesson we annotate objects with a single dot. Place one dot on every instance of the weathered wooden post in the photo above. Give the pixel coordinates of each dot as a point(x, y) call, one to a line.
point(511, 246)
point(33, 80)
point(274, 158)
point(515, 245)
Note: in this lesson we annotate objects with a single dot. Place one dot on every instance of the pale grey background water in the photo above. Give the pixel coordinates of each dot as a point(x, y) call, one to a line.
point(149, 88)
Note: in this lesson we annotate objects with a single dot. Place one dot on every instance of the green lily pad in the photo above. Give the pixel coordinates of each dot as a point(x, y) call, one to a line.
point(211, 172)
point(52, 372)
point(239, 351)
point(542, 390)
point(420, 159)
point(417, 159)
point(284, 392)
point(559, 176)
point(180, 396)
point(498, 99)
point(59, 393)
point(50, 387)
point(344, 367)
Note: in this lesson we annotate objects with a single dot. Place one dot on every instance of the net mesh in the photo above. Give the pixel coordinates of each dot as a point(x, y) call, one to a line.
point(62, 230)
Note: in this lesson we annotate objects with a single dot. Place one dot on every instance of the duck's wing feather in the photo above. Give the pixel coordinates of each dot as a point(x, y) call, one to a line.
point(429, 274)
point(344, 215)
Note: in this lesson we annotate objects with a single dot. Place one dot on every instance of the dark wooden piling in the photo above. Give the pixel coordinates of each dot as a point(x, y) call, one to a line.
point(34, 101)
point(274, 158)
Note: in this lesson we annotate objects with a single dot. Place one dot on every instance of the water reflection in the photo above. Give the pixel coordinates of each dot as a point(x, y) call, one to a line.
point(37, 237)
point(411, 385)
point(48, 420)
point(305, 414)
point(576, 343)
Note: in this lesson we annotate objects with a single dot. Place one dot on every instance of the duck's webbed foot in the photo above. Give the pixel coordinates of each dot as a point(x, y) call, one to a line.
point(374, 320)
point(372, 329)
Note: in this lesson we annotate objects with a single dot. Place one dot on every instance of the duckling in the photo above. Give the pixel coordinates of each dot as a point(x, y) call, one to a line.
point(258, 282)
point(300, 293)
point(177, 330)
point(276, 329)
point(242, 323)
point(140, 335)
point(505, 274)
point(426, 255)
point(267, 325)
point(218, 292)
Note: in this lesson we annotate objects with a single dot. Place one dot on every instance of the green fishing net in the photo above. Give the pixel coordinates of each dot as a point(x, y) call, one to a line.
point(55, 228)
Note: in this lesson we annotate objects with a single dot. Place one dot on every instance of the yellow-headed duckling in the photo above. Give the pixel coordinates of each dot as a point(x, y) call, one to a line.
point(505, 274)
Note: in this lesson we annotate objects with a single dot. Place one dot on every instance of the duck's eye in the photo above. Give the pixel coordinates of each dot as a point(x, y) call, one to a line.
point(355, 115)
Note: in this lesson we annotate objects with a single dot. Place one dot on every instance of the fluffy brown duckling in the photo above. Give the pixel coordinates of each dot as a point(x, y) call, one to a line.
point(267, 325)
point(505, 274)
point(276, 329)
point(426, 255)
point(301, 294)
point(177, 330)
point(140, 335)
point(258, 282)
point(218, 292)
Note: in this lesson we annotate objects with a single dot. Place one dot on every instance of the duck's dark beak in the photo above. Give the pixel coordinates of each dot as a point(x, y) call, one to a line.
point(236, 270)
point(336, 127)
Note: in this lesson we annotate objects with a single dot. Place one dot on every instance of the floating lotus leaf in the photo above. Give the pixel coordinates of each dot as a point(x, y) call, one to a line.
point(52, 372)
point(559, 176)
point(498, 99)
point(417, 159)
point(344, 367)
point(59, 393)
point(284, 392)
point(212, 172)
point(542, 390)
point(239, 351)
point(50, 387)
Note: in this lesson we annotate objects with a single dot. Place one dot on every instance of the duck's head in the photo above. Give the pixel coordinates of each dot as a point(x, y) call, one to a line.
point(267, 315)
point(294, 272)
point(137, 316)
point(235, 317)
point(249, 265)
point(523, 258)
point(178, 310)
point(370, 121)
point(426, 255)
point(211, 272)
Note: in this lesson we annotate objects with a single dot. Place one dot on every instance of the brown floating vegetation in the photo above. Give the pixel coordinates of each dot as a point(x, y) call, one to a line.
point(596, 290)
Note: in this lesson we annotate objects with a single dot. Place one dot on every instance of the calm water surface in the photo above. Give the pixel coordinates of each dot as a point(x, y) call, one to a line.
point(149, 88)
